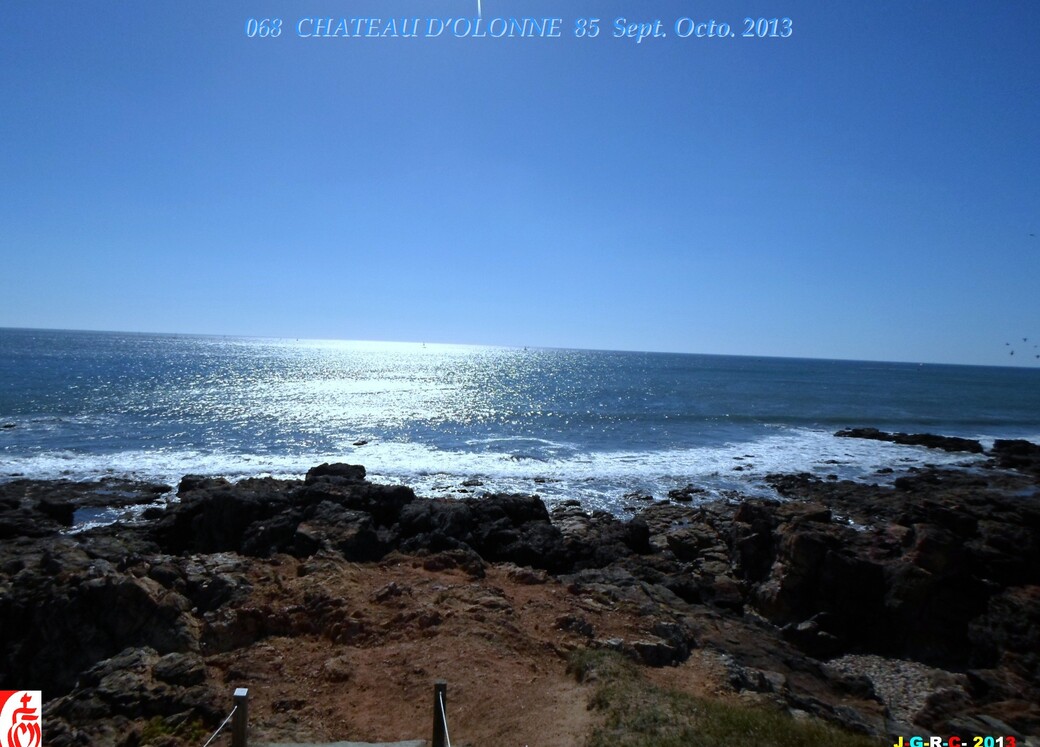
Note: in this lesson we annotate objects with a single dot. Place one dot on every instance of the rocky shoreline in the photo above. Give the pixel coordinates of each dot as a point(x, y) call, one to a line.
point(888, 610)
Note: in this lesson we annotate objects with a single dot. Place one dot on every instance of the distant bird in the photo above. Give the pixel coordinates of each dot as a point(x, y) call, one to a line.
point(1012, 352)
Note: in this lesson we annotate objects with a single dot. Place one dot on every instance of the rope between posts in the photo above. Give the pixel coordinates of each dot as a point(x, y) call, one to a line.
point(225, 724)
point(444, 716)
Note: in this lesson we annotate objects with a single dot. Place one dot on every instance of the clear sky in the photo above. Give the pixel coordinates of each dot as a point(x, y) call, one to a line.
point(866, 188)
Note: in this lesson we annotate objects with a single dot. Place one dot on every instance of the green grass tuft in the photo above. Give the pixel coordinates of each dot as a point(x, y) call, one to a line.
point(638, 714)
point(158, 729)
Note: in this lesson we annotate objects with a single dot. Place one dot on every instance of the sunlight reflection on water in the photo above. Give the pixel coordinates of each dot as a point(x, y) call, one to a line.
point(586, 424)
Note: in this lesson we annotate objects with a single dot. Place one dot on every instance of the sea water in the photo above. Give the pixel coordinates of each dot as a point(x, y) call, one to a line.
point(589, 425)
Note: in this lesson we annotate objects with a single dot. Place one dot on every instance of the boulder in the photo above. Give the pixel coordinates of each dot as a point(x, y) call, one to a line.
point(335, 473)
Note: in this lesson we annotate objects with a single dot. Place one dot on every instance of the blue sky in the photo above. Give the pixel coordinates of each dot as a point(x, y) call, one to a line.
point(866, 188)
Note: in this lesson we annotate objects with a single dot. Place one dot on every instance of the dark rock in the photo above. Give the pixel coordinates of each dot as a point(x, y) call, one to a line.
point(33, 508)
point(191, 483)
point(598, 539)
point(213, 516)
point(751, 537)
point(332, 527)
point(853, 684)
point(637, 496)
point(438, 517)
point(512, 528)
point(576, 624)
point(534, 544)
point(911, 483)
point(527, 576)
point(383, 502)
point(928, 614)
point(793, 591)
point(725, 592)
point(945, 443)
point(811, 638)
point(261, 517)
point(180, 669)
point(658, 653)
point(1005, 692)
point(936, 550)
point(686, 587)
point(212, 581)
point(747, 679)
point(56, 624)
point(880, 590)
point(335, 473)
point(463, 557)
point(138, 683)
point(686, 494)
point(687, 543)
point(1009, 630)
point(1017, 454)
point(234, 628)
point(167, 574)
point(943, 569)
point(60, 511)
point(274, 534)
point(392, 590)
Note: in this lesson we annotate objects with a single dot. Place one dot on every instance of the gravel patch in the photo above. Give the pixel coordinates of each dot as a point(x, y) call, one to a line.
point(902, 685)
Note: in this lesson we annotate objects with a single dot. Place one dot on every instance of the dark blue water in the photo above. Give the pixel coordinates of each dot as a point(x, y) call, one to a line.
point(565, 423)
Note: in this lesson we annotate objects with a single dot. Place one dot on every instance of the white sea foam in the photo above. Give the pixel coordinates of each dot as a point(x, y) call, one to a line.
point(598, 479)
point(591, 425)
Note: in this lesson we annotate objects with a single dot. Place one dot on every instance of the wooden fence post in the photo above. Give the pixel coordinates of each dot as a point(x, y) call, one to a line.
point(240, 720)
point(440, 703)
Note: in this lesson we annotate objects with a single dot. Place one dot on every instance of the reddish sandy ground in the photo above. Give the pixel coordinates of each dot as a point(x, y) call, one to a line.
point(383, 633)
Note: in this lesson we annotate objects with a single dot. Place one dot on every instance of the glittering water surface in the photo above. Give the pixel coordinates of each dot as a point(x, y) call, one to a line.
point(591, 425)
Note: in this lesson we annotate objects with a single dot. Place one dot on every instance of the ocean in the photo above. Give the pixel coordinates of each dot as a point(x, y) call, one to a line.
point(566, 424)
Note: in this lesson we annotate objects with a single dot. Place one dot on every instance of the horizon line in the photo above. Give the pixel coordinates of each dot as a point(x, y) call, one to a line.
point(511, 347)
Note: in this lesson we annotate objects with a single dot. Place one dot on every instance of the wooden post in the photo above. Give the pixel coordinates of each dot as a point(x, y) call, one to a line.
point(240, 720)
point(440, 728)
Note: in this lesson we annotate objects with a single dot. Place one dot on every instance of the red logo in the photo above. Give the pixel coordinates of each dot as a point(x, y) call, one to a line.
point(20, 722)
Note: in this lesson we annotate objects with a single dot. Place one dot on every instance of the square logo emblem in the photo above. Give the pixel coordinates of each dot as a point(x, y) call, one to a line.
point(21, 719)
